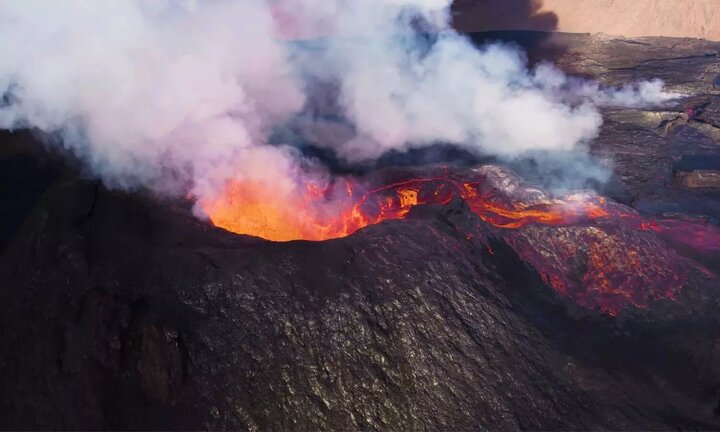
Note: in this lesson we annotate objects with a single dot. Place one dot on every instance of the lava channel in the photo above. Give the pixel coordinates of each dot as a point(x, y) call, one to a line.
point(621, 266)
point(256, 209)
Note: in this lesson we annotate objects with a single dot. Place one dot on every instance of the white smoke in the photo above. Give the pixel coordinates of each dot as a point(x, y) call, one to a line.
point(180, 96)
point(554, 82)
point(401, 92)
point(151, 93)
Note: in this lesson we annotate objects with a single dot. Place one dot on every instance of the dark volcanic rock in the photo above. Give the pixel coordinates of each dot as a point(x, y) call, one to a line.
point(700, 179)
point(138, 316)
point(645, 145)
point(123, 311)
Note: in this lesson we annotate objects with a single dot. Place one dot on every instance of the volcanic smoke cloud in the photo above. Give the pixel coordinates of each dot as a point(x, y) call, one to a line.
point(181, 96)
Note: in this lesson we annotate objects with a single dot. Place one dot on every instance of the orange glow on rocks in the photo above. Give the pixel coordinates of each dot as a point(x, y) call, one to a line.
point(622, 265)
point(256, 209)
point(323, 213)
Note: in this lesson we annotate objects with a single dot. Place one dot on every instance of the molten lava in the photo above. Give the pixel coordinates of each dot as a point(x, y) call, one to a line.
point(620, 265)
point(254, 208)
point(322, 213)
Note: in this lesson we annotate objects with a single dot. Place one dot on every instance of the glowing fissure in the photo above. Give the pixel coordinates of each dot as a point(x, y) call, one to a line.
point(322, 213)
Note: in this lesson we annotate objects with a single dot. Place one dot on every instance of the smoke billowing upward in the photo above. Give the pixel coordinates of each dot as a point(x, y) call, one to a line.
point(181, 96)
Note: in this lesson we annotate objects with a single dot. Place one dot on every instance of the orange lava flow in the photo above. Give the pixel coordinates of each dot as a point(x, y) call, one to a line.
point(322, 213)
point(597, 265)
point(254, 208)
point(516, 215)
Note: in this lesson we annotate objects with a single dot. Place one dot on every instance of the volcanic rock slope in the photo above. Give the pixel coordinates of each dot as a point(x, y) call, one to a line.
point(123, 311)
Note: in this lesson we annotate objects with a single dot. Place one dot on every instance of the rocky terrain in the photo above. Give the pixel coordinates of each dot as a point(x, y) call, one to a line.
point(634, 18)
point(123, 311)
point(627, 18)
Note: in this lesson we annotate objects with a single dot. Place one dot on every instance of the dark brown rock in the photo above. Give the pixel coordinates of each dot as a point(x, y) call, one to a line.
point(700, 179)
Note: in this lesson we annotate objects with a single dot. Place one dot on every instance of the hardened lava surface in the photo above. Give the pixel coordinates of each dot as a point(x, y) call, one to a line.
point(124, 311)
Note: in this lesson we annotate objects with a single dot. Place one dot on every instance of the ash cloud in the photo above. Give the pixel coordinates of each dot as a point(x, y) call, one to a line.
point(181, 96)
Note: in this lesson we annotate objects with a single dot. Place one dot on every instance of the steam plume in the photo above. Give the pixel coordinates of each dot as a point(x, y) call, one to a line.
point(150, 93)
point(180, 96)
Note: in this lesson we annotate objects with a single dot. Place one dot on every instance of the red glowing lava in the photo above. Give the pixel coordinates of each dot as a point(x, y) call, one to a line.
point(256, 209)
point(620, 265)
point(322, 213)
